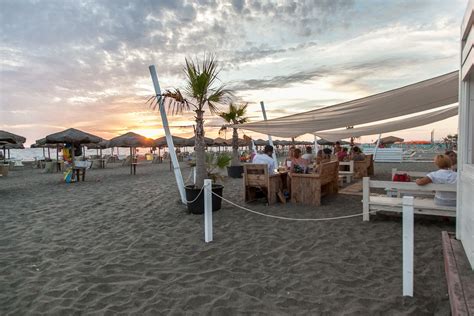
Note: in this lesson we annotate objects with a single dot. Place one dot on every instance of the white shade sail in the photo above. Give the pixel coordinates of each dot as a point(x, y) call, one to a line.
point(397, 125)
point(414, 98)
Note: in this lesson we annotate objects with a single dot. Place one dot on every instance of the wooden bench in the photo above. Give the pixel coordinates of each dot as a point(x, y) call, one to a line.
point(459, 276)
point(308, 189)
point(373, 203)
point(346, 174)
point(256, 177)
point(364, 168)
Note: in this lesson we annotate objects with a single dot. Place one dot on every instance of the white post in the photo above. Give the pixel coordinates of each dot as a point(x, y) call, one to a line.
point(270, 141)
point(377, 146)
point(208, 210)
point(408, 245)
point(316, 145)
point(365, 199)
point(169, 139)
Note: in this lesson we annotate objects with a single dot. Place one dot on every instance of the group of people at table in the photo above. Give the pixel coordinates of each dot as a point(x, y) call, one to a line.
point(297, 162)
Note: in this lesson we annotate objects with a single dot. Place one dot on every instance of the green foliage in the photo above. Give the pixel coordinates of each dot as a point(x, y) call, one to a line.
point(235, 114)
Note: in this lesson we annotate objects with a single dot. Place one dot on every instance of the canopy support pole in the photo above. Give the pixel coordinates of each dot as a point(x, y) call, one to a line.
point(377, 146)
point(169, 139)
point(270, 141)
point(316, 145)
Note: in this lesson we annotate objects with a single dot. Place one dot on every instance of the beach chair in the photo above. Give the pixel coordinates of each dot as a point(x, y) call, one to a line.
point(256, 177)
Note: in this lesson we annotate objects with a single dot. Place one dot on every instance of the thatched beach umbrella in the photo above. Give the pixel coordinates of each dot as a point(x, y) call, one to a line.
point(208, 141)
point(74, 137)
point(221, 142)
point(390, 140)
point(132, 140)
point(10, 138)
point(177, 141)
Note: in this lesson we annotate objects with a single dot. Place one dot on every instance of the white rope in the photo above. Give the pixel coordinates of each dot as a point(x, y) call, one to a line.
point(290, 218)
point(200, 192)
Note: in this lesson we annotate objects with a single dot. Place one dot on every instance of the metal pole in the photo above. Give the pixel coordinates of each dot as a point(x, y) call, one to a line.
point(377, 146)
point(270, 141)
point(169, 139)
point(208, 210)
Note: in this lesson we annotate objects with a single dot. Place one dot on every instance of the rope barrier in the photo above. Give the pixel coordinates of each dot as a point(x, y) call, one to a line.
point(290, 218)
point(200, 192)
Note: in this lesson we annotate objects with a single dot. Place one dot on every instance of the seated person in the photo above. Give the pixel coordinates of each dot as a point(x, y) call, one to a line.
point(443, 176)
point(288, 159)
point(298, 164)
point(309, 154)
point(266, 158)
point(357, 154)
point(337, 147)
point(454, 159)
point(342, 155)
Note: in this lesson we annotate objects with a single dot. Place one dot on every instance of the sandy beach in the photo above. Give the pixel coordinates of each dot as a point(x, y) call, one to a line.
point(121, 244)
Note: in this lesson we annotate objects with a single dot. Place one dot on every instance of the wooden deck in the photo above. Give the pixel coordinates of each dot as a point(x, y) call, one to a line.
point(352, 189)
point(459, 276)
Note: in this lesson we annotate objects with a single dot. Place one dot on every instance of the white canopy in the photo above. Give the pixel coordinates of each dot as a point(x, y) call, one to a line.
point(397, 125)
point(414, 98)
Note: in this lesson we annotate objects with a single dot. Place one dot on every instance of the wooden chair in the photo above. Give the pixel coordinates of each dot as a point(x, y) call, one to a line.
point(364, 167)
point(256, 176)
point(308, 189)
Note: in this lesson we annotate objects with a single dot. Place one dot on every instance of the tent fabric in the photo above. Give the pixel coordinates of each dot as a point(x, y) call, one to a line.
point(397, 125)
point(414, 98)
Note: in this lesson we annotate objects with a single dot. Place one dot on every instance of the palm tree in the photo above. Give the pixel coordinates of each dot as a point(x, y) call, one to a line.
point(235, 115)
point(202, 90)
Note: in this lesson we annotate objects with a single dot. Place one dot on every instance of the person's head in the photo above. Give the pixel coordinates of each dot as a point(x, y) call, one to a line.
point(309, 150)
point(319, 153)
point(442, 162)
point(291, 151)
point(297, 153)
point(356, 149)
point(452, 156)
point(344, 149)
point(268, 150)
point(327, 151)
point(338, 144)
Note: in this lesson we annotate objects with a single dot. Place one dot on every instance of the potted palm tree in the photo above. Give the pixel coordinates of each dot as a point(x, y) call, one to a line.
point(235, 115)
point(203, 90)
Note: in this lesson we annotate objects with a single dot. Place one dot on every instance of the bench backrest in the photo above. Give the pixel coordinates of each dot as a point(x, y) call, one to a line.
point(329, 171)
point(348, 163)
point(411, 186)
point(256, 175)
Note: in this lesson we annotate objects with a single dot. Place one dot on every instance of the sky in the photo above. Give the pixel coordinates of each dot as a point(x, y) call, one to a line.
point(84, 64)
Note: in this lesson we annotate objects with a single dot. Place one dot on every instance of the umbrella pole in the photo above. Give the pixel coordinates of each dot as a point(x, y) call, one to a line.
point(44, 154)
point(131, 160)
point(57, 158)
point(8, 153)
point(49, 153)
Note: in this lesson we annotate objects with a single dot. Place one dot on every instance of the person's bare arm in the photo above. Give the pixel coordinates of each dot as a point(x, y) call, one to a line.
point(423, 181)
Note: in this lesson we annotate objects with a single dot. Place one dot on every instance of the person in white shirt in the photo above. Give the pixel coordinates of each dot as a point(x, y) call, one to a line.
point(442, 176)
point(309, 155)
point(266, 158)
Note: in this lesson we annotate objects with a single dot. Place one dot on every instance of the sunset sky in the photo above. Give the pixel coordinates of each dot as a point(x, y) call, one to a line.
point(84, 64)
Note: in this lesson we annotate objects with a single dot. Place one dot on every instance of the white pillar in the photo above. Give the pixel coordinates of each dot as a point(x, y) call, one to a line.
point(208, 210)
point(316, 145)
point(169, 139)
point(270, 141)
point(408, 245)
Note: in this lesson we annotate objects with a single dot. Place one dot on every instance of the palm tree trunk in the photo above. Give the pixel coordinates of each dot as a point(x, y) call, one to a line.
point(235, 148)
point(199, 148)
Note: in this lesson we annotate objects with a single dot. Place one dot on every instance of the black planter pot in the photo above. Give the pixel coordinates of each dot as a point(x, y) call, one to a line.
point(197, 207)
point(235, 171)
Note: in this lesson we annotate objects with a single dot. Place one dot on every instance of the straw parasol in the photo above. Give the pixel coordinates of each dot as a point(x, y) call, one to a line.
point(132, 140)
point(7, 137)
point(221, 142)
point(327, 142)
point(177, 141)
point(74, 137)
point(208, 141)
point(390, 140)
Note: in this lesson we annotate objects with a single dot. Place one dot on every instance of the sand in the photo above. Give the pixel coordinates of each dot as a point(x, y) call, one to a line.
point(123, 244)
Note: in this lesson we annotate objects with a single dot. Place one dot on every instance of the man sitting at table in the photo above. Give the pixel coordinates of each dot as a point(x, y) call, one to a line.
point(266, 158)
